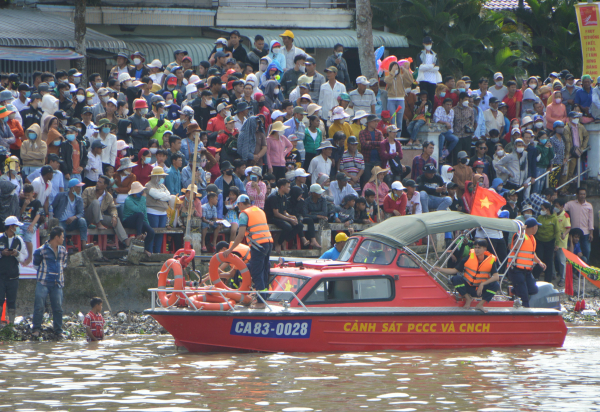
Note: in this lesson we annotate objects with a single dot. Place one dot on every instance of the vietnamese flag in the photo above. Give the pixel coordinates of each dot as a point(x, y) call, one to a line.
point(487, 203)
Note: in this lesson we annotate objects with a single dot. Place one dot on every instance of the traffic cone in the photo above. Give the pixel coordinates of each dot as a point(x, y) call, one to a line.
point(3, 313)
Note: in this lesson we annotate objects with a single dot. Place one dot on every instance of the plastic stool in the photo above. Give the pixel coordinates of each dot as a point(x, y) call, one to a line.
point(76, 239)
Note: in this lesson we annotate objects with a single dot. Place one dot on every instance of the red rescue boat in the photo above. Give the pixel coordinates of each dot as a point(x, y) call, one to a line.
point(380, 294)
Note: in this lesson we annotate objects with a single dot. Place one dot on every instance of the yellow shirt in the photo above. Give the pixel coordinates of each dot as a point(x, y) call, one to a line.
point(341, 127)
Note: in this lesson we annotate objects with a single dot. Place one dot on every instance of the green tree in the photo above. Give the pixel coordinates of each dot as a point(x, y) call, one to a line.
point(469, 39)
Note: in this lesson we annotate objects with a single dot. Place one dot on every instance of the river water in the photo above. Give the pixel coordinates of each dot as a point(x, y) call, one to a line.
point(138, 373)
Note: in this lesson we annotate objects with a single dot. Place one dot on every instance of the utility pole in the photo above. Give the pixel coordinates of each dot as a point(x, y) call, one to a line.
point(80, 31)
point(364, 35)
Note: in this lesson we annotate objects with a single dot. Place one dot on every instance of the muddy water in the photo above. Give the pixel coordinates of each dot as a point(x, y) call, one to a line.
point(140, 373)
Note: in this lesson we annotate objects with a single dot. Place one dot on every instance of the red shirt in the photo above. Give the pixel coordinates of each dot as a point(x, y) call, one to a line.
point(96, 323)
point(511, 103)
point(215, 124)
point(382, 127)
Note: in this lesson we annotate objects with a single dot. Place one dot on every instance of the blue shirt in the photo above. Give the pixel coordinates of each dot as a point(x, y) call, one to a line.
point(583, 98)
point(219, 205)
point(69, 210)
point(576, 249)
point(173, 181)
point(332, 254)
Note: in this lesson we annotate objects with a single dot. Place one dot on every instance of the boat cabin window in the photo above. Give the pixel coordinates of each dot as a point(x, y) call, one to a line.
point(375, 253)
point(406, 261)
point(348, 249)
point(282, 284)
point(348, 290)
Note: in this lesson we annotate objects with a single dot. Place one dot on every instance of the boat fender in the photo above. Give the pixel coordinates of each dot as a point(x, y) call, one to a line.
point(236, 262)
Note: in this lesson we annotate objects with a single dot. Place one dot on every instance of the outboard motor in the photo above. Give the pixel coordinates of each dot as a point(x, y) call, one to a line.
point(547, 297)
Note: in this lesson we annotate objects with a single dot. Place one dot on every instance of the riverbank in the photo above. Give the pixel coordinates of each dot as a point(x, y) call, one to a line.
point(132, 323)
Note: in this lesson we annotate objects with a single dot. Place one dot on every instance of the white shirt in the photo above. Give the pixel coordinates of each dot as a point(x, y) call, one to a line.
point(19, 105)
point(338, 195)
point(319, 165)
point(90, 130)
point(328, 97)
point(498, 94)
point(430, 76)
point(485, 100)
point(96, 98)
point(39, 187)
point(109, 153)
point(416, 201)
point(94, 162)
point(289, 56)
point(492, 122)
point(157, 78)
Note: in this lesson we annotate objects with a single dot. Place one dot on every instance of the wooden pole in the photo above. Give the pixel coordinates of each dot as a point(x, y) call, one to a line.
point(188, 238)
point(377, 200)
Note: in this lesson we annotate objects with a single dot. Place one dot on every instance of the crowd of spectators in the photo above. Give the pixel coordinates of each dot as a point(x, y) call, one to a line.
point(116, 150)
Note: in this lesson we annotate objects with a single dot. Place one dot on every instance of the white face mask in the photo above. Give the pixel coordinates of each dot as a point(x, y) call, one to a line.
point(276, 50)
point(539, 124)
point(500, 153)
point(144, 111)
point(575, 121)
point(80, 98)
point(169, 102)
point(543, 213)
point(450, 176)
point(227, 113)
point(303, 69)
point(153, 150)
point(77, 80)
point(128, 130)
point(90, 102)
point(533, 86)
point(468, 85)
point(428, 47)
point(557, 101)
point(363, 121)
point(499, 83)
point(526, 215)
point(208, 101)
point(137, 61)
point(263, 67)
point(520, 149)
point(105, 98)
point(276, 92)
point(465, 103)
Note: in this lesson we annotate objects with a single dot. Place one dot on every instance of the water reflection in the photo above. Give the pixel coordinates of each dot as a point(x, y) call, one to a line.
point(148, 374)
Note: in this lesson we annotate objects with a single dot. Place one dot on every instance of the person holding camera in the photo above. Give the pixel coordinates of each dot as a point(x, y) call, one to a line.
point(464, 122)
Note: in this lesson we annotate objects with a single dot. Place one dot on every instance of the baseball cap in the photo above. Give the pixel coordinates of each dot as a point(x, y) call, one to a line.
point(300, 173)
point(222, 106)
point(531, 222)
point(46, 169)
point(410, 183)
point(519, 141)
point(362, 80)
point(299, 110)
point(74, 182)
point(493, 100)
point(352, 140)
point(12, 220)
point(53, 157)
point(498, 75)
point(316, 188)
point(398, 185)
point(187, 110)
point(341, 176)
point(341, 237)
point(331, 69)
point(429, 167)
point(220, 54)
point(98, 143)
point(242, 199)
point(461, 154)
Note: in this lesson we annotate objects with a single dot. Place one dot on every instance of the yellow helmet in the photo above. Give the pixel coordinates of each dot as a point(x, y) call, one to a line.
point(12, 163)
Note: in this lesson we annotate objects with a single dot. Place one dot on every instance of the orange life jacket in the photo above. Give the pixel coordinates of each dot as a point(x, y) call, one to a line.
point(243, 250)
point(526, 254)
point(257, 230)
point(476, 272)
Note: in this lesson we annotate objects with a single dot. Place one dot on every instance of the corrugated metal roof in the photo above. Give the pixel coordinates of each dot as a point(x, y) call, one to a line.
point(321, 38)
point(162, 48)
point(29, 27)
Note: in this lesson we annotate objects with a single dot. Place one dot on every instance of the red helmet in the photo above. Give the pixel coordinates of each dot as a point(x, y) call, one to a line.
point(478, 163)
point(140, 104)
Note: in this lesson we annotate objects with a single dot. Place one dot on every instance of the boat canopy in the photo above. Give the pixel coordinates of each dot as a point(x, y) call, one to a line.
point(402, 231)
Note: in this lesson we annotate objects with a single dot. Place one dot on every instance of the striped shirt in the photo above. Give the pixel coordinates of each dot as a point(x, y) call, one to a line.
point(352, 164)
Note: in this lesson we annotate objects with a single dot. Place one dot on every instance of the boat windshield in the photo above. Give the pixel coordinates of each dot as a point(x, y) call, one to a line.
point(375, 253)
point(347, 250)
point(283, 283)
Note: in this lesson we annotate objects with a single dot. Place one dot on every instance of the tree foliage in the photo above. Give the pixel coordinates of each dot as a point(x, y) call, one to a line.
point(472, 40)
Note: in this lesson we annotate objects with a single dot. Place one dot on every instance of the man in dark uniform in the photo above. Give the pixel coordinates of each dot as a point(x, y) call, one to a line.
point(253, 224)
point(12, 252)
point(479, 275)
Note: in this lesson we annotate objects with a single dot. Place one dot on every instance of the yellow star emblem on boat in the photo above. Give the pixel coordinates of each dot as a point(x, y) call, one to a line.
point(485, 202)
point(288, 286)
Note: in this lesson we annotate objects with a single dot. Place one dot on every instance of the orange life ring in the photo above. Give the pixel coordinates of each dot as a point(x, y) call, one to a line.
point(236, 262)
point(169, 299)
point(213, 305)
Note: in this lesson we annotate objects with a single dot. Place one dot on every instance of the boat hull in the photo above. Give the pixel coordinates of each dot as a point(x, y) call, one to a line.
point(350, 331)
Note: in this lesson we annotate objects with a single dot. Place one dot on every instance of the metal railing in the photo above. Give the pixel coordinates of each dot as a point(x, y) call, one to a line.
point(221, 292)
point(213, 4)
